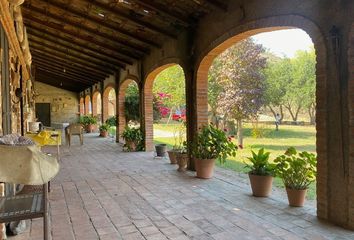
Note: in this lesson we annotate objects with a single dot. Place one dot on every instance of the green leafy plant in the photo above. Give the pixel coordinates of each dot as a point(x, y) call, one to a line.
point(298, 170)
point(104, 127)
point(131, 134)
point(87, 120)
point(260, 164)
point(212, 143)
point(112, 121)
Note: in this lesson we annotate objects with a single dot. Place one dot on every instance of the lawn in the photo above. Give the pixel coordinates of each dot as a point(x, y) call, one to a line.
point(303, 138)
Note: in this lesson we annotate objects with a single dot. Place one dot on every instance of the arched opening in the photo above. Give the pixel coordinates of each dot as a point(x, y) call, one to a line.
point(82, 106)
point(128, 95)
point(164, 96)
point(267, 25)
point(97, 105)
point(88, 105)
point(109, 103)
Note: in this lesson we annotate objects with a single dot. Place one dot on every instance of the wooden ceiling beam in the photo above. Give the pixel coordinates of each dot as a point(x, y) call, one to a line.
point(68, 68)
point(129, 17)
point(66, 62)
point(74, 57)
point(218, 4)
point(68, 72)
point(60, 47)
point(161, 10)
point(56, 81)
point(108, 37)
point(90, 40)
point(61, 74)
point(103, 23)
point(46, 35)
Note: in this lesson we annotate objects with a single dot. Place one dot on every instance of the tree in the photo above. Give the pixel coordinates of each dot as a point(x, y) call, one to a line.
point(242, 80)
point(278, 76)
point(131, 104)
point(171, 81)
point(304, 68)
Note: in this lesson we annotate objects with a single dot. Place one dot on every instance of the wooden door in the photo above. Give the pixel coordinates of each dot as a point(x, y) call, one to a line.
point(43, 113)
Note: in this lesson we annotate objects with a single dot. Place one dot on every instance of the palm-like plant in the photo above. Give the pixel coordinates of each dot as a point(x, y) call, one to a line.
point(260, 164)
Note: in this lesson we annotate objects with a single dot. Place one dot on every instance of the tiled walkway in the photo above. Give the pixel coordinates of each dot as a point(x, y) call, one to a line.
point(103, 193)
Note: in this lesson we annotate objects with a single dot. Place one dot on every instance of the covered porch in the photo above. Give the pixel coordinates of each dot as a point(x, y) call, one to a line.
point(104, 193)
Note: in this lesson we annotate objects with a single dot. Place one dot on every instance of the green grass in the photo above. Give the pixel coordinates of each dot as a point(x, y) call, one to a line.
point(303, 138)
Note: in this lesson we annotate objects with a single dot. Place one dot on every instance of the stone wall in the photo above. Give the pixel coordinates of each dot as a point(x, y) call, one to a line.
point(64, 104)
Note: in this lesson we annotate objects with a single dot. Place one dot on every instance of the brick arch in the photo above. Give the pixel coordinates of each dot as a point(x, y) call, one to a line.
point(249, 29)
point(96, 103)
point(121, 101)
point(82, 106)
point(148, 100)
point(106, 104)
point(88, 110)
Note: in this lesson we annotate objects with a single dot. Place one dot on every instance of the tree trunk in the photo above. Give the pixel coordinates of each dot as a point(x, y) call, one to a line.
point(312, 112)
point(239, 132)
point(170, 116)
point(272, 110)
point(281, 113)
point(293, 115)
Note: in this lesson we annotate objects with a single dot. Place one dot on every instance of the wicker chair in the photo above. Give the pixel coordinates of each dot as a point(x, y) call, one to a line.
point(74, 129)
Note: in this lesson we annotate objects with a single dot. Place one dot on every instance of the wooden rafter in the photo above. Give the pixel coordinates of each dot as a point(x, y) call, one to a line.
point(68, 71)
point(68, 67)
point(218, 4)
point(60, 46)
point(61, 74)
point(79, 36)
point(132, 19)
point(64, 60)
point(74, 57)
point(59, 82)
point(101, 22)
point(80, 27)
point(48, 36)
point(161, 10)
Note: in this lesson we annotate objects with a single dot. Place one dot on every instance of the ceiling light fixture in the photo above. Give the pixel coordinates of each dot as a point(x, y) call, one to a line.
point(101, 14)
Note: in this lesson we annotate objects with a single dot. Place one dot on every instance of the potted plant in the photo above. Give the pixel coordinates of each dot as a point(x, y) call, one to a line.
point(182, 158)
point(298, 171)
point(104, 130)
point(88, 122)
point(133, 138)
point(261, 173)
point(178, 137)
point(210, 144)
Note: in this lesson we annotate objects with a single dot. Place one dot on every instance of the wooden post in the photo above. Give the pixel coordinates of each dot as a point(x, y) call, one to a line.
point(2, 225)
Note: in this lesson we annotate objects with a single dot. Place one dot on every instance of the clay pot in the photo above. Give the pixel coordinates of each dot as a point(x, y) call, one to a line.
point(131, 146)
point(182, 160)
point(90, 128)
point(204, 168)
point(172, 156)
point(261, 185)
point(104, 133)
point(296, 197)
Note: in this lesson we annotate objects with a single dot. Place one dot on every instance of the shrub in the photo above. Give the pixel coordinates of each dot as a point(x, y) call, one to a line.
point(112, 121)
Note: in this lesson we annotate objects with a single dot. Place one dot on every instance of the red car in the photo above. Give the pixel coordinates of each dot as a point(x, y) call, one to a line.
point(179, 116)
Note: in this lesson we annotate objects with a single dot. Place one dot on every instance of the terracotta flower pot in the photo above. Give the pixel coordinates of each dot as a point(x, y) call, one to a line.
point(131, 146)
point(296, 197)
point(90, 128)
point(261, 185)
point(182, 160)
point(103, 133)
point(172, 156)
point(204, 168)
